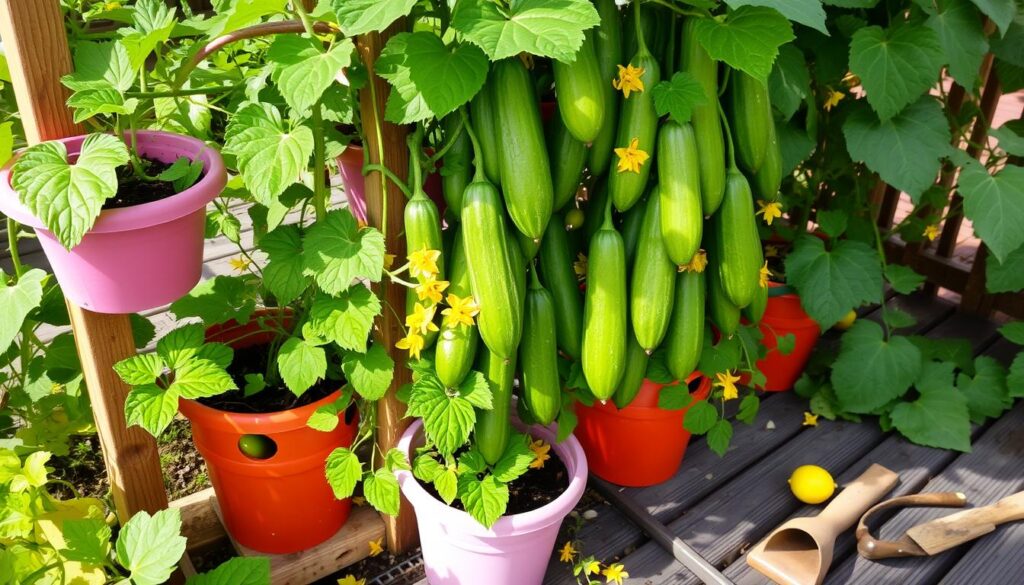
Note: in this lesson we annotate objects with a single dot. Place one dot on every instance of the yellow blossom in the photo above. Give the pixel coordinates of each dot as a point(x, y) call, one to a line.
point(770, 210)
point(727, 382)
point(810, 420)
point(461, 310)
point(540, 451)
point(421, 320)
point(697, 264)
point(629, 80)
point(832, 99)
point(350, 580)
point(111, 6)
point(615, 573)
point(764, 276)
point(424, 262)
point(376, 546)
point(631, 158)
point(239, 264)
point(931, 232)
point(591, 567)
point(389, 261)
point(567, 553)
point(771, 251)
point(431, 289)
point(580, 265)
point(412, 342)
point(358, 500)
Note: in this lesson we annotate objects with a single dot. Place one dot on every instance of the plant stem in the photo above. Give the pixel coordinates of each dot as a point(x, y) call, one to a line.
point(12, 247)
point(478, 173)
point(307, 23)
point(415, 141)
point(180, 92)
point(881, 258)
point(728, 136)
point(319, 162)
point(677, 9)
point(369, 168)
point(449, 142)
point(641, 42)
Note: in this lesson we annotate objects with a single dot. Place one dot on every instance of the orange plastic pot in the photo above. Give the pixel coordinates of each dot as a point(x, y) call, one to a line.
point(640, 445)
point(785, 315)
point(281, 503)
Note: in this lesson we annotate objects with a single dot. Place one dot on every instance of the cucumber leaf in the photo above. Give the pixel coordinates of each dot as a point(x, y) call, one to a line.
point(548, 28)
point(939, 417)
point(871, 371)
point(895, 65)
point(747, 39)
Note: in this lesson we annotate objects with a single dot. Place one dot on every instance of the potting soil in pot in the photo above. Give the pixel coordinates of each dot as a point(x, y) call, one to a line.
point(132, 190)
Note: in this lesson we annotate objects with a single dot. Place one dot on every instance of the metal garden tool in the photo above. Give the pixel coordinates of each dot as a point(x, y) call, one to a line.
point(800, 551)
point(941, 534)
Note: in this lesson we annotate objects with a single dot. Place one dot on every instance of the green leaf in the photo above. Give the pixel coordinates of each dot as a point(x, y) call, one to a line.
point(902, 278)
point(1013, 331)
point(870, 372)
point(425, 468)
point(236, 571)
point(303, 70)
point(701, 417)
point(715, 358)
point(369, 373)
point(832, 282)
point(1000, 11)
point(181, 345)
point(237, 14)
point(796, 146)
point(677, 97)
point(447, 485)
point(1009, 138)
point(1006, 275)
point(344, 470)
point(954, 349)
point(516, 459)
point(719, 437)
point(153, 22)
point(806, 12)
point(406, 104)
point(674, 397)
point(785, 344)
point(381, 491)
point(32, 473)
point(69, 197)
point(270, 155)
point(897, 319)
point(301, 364)
point(789, 81)
point(101, 64)
point(345, 319)
point(99, 101)
point(6, 142)
point(1015, 378)
point(486, 500)
point(339, 252)
point(151, 407)
point(959, 28)
point(217, 300)
point(995, 205)
point(325, 418)
point(395, 459)
point(200, 378)
point(140, 369)
point(548, 28)
point(905, 151)
point(475, 389)
point(567, 419)
point(895, 65)
point(939, 418)
point(446, 77)
point(218, 353)
point(149, 547)
point(448, 420)
point(254, 383)
point(748, 408)
point(18, 301)
point(833, 222)
point(357, 17)
point(986, 392)
point(283, 275)
point(87, 541)
point(747, 39)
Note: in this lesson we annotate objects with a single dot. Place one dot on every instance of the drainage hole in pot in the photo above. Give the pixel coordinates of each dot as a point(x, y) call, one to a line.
point(350, 413)
point(694, 384)
point(257, 446)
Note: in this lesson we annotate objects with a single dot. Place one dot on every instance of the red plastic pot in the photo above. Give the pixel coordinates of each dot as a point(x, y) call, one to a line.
point(282, 503)
point(350, 167)
point(785, 315)
point(640, 445)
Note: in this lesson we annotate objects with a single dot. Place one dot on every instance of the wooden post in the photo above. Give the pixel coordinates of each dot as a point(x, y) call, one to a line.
point(37, 53)
point(385, 211)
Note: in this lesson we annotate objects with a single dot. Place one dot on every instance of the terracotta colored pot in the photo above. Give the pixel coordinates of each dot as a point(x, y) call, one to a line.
point(640, 445)
point(785, 315)
point(350, 167)
point(458, 550)
point(139, 257)
point(283, 503)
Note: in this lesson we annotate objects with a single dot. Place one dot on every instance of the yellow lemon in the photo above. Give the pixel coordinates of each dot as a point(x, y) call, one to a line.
point(811, 484)
point(846, 321)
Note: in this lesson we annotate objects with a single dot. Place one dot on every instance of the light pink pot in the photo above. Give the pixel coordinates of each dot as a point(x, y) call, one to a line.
point(350, 168)
point(458, 550)
point(134, 258)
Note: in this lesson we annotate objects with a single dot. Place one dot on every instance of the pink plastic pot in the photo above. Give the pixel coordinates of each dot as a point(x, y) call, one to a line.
point(350, 167)
point(458, 550)
point(134, 258)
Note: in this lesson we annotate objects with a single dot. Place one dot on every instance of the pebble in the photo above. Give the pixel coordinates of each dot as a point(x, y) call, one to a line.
point(590, 514)
point(770, 426)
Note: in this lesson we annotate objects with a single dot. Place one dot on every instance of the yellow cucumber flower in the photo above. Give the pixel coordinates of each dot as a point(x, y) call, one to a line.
point(727, 382)
point(461, 310)
point(412, 342)
point(810, 420)
point(769, 209)
point(376, 546)
point(424, 262)
point(540, 451)
point(567, 552)
point(431, 289)
point(832, 99)
point(615, 573)
point(629, 80)
point(764, 275)
point(931, 232)
point(697, 264)
point(421, 320)
point(631, 158)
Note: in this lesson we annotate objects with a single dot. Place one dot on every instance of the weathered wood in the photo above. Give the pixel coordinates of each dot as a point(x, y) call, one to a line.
point(199, 521)
point(384, 209)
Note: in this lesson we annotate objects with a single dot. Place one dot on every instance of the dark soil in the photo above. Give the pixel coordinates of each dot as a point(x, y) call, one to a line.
point(273, 398)
point(132, 190)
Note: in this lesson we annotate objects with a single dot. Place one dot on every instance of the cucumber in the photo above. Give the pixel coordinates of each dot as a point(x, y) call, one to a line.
point(768, 178)
point(538, 356)
point(604, 311)
point(682, 220)
point(493, 427)
point(423, 230)
point(580, 92)
point(608, 49)
point(527, 245)
point(707, 125)
point(636, 370)
point(638, 120)
point(456, 346)
point(648, 25)
point(653, 280)
point(597, 197)
point(484, 118)
point(739, 261)
point(685, 339)
point(493, 267)
point(751, 119)
point(724, 314)
point(754, 312)
point(455, 174)
point(568, 157)
point(556, 266)
point(632, 221)
point(523, 156)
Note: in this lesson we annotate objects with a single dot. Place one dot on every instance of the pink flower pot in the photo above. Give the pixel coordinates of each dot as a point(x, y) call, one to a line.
point(350, 167)
point(134, 258)
point(458, 550)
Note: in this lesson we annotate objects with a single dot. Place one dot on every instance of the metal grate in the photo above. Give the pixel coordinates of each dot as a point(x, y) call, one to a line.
point(407, 572)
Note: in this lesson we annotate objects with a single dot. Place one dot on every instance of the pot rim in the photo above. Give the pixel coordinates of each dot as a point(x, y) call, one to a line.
point(568, 451)
point(265, 422)
point(136, 216)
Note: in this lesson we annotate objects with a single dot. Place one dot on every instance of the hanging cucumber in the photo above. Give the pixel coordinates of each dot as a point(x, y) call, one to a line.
point(653, 280)
point(538, 356)
point(422, 231)
point(597, 198)
point(768, 178)
point(648, 26)
point(527, 246)
point(493, 427)
point(724, 314)
point(608, 49)
point(456, 346)
point(455, 174)
point(685, 339)
point(682, 219)
point(556, 265)
point(707, 125)
point(525, 172)
point(484, 117)
point(632, 221)
point(568, 157)
point(755, 310)
point(634, 374)
point(604, 311)
point(751, 119)
point(739, 263)
point(580, 92)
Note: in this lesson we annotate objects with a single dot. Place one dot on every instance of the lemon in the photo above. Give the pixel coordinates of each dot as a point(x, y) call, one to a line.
point(846, 321)
point(811, 484)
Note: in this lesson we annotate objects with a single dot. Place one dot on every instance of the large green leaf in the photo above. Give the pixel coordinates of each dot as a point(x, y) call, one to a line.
point(303, 71)
point(101, 64)
point(939, 417)
point(301, 364)
point(895, 65)
point(238, 14)
point(549, 28)
point(381, 491)
point(345, 319)
point(153, 22)
point(795, 144)
point(99, 101)
point(1006, 275)
point(486, 500)
point(283, 275)
point(870, 371)
point(677, 97)
point(344, 470)
point(140, 369)
point(406, 104)
point(903, 279)
point(806, 12)
point(1000, 11)
point(87, 541)
point(446, 76)
point(369, 373)
point(959, 27)
point(986, 393)
point(270, 155)
point(201, 378)
point(362, 16)
point(516, 459)
point(236, 571)
point(790, 81)
point(181, 344)
point(747, 39)
point(995, 205)
point(151, 407)
point(217, 300)
point(1015, 378)
point(338, 252)
point(18, 301)
point(448, 420)
point(832, 282)
point(151, 546)
point(906, 150)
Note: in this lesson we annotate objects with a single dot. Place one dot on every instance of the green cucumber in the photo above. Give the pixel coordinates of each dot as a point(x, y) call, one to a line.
point(484, 118)
point(556, 265)
point(768, 178)
point(751, 119)
point(538, 355)
point(455, 173)
point(597, 197)
point(682, 220)
point(707, 125)
point(525, 172)
point(580, 92)
point(608, 48)
point(653, 280)
point(527, 245)
point(755, 310)
point(724, 314)
point(636, 370)
point(456, 346)
point(637, 120)
point(739, 262)
point(568, 157)
point(604, 311)
point(632, 221)
point(493, 427)
point(423, 231)
point(685, 339)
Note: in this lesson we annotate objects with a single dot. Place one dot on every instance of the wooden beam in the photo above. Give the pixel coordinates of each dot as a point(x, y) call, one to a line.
point(37, 53)
point(385, 211)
